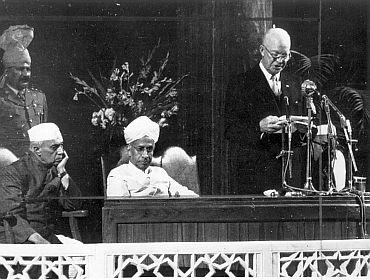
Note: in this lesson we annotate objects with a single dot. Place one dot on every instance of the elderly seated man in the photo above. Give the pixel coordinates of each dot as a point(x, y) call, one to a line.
point(138, 178)
point(28, 184)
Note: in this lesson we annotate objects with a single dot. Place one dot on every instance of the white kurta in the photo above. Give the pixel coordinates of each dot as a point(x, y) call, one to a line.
point(127, 180)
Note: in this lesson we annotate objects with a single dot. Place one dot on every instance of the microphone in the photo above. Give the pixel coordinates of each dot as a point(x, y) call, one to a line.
point(343, 121)
point(308, 87)
point(286, 99)
point(287, 107)
point(349, 127)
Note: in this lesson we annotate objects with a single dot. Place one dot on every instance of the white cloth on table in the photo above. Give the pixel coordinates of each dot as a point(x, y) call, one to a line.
point(67, 240)
point(127, 180)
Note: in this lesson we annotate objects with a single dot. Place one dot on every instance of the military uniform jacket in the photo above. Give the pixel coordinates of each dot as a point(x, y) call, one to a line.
point(17, 115)
point(26, 189)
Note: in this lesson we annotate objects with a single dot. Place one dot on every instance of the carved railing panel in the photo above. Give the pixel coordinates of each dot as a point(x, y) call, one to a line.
point(352, 263)
point(186, 265)
point(275, 259)
point(52, 266)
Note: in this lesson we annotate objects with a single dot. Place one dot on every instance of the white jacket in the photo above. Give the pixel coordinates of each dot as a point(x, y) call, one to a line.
point(127, 180)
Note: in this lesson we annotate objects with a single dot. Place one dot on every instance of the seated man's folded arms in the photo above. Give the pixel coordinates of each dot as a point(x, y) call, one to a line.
point(138, 178)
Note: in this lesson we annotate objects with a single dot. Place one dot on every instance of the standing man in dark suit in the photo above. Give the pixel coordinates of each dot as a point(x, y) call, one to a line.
point(254, 102)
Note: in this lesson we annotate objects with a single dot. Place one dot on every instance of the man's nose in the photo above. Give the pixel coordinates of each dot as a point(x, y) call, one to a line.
point(145, 153)
point(26, 72)
point(60, 150)
point(281, 60)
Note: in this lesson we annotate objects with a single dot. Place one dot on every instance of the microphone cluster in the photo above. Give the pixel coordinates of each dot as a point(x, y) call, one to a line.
point(308, 90)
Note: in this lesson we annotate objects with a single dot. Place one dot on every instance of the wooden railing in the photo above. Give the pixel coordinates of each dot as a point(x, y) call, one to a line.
point(255, 259)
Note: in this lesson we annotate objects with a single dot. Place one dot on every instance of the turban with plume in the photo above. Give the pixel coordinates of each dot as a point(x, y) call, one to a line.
point(14, 41)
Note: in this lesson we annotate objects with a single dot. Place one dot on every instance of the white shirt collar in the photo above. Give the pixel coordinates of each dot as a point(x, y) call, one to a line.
point(267, 74)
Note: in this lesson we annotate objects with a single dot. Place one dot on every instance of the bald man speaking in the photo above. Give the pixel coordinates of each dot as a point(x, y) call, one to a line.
point(254, 102)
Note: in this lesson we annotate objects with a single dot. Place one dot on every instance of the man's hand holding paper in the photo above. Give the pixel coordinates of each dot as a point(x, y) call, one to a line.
point(271, 124)
point(274, 124)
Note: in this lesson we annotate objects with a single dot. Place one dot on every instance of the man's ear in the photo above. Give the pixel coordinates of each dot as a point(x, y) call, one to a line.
point(128, 148)
point(36, 150)
point(261, 50)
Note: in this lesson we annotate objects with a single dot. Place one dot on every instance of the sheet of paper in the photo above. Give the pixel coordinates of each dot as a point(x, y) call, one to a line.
point(297, 121)
point(303, 119)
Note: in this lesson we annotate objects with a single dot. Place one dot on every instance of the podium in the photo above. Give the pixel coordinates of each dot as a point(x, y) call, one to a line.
point(232, 218)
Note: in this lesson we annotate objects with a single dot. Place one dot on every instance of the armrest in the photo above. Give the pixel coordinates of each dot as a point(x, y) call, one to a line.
point(75, 213)
point(72, 218)
point(8, 221)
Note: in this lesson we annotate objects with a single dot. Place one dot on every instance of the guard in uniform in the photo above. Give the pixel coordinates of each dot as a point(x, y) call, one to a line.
point(21, 107)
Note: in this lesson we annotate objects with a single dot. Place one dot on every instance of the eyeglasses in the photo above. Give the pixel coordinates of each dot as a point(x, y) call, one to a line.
point(141, 149)
point(283, 57)
point(22, 68)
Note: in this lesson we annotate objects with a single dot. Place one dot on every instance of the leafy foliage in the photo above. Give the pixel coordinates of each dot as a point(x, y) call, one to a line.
point(351, 103)
point(317, 68)
point(127, 95)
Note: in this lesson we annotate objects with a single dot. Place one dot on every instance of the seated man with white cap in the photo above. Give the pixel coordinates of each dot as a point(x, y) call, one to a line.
point(138, 178)
point(28, 184)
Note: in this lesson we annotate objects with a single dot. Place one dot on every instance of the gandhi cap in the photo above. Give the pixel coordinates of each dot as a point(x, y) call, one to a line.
point(44, 132)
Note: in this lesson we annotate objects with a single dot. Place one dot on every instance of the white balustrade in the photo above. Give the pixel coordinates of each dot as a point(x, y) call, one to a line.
point(255, 259)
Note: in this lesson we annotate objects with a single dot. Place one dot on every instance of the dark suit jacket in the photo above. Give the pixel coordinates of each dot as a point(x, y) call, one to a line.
point(249, 99)
point(27, 187)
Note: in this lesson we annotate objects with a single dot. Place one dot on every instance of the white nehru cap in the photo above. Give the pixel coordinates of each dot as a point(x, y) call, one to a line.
point(141, 127)
point(45, 131)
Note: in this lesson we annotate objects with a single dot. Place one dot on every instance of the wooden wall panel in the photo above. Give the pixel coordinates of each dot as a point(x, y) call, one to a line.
point(222, 40)
point(247, 231)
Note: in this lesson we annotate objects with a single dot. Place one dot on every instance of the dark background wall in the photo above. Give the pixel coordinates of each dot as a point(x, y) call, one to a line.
point(208, 39)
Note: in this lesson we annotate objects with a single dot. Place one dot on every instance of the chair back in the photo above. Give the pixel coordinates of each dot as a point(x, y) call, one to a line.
point(6, 157)
point(181, 167)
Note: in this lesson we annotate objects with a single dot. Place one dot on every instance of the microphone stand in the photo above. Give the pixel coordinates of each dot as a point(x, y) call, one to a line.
point(287, 154)
point(309, 103)
point(346, 126)
point(331, 142)
point(350, 141)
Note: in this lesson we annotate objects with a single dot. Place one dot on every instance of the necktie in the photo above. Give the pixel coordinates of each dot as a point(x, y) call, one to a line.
point(275, 86)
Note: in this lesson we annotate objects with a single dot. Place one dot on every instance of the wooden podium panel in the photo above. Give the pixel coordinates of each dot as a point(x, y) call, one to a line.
point(232, 218)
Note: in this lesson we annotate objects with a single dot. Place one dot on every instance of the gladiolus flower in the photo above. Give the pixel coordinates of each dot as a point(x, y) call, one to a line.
point(110, 113)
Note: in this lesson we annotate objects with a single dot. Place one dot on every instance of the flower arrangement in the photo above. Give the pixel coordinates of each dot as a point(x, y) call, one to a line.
point(127, 95)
